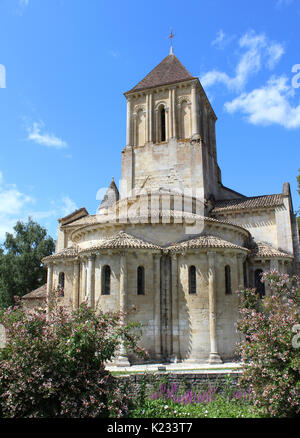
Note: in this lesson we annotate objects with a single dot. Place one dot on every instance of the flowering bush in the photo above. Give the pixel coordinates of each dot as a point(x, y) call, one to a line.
point(171, 401)
point(272, 362)
point(55, 367)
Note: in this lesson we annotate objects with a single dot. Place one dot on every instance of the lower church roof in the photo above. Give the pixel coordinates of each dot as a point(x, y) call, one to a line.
point(247, 203)
point(122, 240)
point(263, 249)
point(205, 241)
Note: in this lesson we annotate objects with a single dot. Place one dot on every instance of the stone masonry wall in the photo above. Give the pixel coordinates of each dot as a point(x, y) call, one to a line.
point(185, 381)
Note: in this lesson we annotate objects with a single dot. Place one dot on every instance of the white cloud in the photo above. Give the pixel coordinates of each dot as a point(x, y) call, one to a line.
point(68, 205)
point(222, 39)
point(258, 50)
point(44, 139)
point(15, 205)
point(219, 39)
point(269, 104)
point(12, 204)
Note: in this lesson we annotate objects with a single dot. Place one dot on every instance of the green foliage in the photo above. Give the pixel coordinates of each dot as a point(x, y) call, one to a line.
point(21, 270)
point(221, 407)
point(55, 367)
point(272, 360)
point(170, 400)
point(298, 181)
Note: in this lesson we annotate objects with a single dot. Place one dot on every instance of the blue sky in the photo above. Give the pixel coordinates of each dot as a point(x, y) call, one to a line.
point(65, 64)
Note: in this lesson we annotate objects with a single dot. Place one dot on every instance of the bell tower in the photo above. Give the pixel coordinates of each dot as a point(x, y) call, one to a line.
point(170, 140)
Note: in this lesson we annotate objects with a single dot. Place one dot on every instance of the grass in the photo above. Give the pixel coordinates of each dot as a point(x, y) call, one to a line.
point(171, 401)
point(221, 407)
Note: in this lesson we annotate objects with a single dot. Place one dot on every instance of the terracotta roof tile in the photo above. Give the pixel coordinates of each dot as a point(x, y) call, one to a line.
point(248, 203)
point(72, 251)
point(204, 242)
point(262, 249)
point(40, 292)
point(121, 240)
point(169, 71)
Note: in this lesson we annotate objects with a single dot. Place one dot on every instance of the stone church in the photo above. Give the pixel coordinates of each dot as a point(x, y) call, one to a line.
point(173, 241)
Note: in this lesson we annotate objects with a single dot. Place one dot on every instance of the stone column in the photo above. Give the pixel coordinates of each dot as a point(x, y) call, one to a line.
point(128, 127)
point(157, 139)
point(134, 116)
point(195, 129)
point(214, 355)
point(213, 136)
point(75, 285)
point(204, 122)
point(175, 309)
point(122, 357)
point(274, 265)
point(49, 287)
point(147, 119)
point(179, 128)
point(281, 267)
point(156, 305)
point(90, 282)
point(208, 133)
point(170, 113)
point(240, 271)
point(173, 109)
point(150, 117)
point(251, 279)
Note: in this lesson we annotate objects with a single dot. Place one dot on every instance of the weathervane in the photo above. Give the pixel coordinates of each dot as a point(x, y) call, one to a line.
point(171, 36)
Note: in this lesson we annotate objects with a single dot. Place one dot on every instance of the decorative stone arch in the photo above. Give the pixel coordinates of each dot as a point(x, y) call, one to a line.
point(184, 116)
point(139, 125)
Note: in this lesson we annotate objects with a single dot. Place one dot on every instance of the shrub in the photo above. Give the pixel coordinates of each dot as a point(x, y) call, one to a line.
point(55, 367)
point(271, 367)
point(172, 401)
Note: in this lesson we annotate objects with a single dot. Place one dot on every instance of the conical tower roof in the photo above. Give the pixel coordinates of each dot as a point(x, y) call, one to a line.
point(169, 71)
point(111, 196)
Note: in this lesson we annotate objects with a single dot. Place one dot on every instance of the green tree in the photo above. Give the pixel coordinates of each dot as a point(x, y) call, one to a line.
point(298, 180)
point(55, 366)
point(21, 270)
point(270, 348)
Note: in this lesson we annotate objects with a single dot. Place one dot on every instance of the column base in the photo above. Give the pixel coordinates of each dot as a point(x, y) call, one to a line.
point(122, 361)
point(214, 358)
point(195, 137)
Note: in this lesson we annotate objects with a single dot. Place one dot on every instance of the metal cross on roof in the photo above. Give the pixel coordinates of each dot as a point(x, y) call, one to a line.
point(171, 36)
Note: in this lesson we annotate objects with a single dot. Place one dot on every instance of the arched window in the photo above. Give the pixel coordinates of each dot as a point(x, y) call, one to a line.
point(140, 280)
point(259, 286)
point(163, 124)
point(61, 283)
point(192, 280)
point(106, 273)
point(228, 290)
